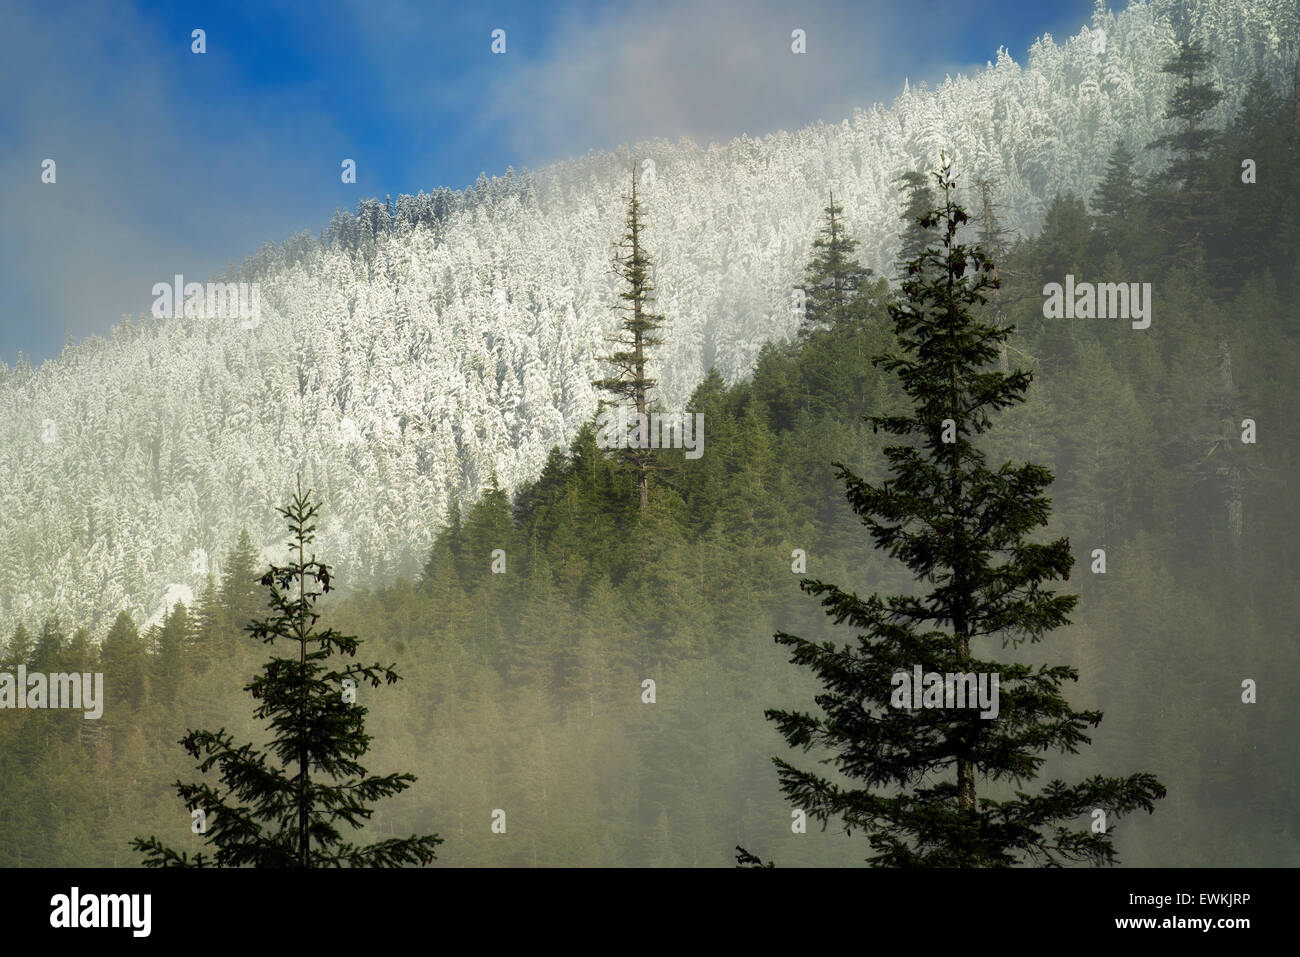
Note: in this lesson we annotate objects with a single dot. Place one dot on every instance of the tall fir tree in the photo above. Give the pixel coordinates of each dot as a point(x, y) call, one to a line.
point(1185, 198)
point(207, 626)
point(965, 530)
point(238, 597)
point(1259, 224)
point(285, 806)
point(631, 380)
point(1117, 205)
point(918, 201)
point(123, 656)
point(168, 666)
point(835, 279)
point(49, 645)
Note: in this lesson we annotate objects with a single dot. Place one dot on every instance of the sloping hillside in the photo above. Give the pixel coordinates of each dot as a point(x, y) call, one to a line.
point(421, 349)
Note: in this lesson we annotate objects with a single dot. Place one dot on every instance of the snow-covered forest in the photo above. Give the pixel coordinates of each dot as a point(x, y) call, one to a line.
point(423, 348)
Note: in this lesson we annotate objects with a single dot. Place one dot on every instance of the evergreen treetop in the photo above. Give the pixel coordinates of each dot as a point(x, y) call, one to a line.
point(965, 531)
point(834, 279)
point(630, 358)
point(1185, 197)
point(287, 805)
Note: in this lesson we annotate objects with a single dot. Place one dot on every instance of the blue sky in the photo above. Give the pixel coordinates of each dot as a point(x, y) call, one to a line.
point(171, 162)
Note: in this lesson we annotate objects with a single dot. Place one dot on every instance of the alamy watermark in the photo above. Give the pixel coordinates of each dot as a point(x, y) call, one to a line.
point(952, 690)
point(214, 300)
point(61, 690)
point(75, 909)
point(656, 430)
point(1106, 300)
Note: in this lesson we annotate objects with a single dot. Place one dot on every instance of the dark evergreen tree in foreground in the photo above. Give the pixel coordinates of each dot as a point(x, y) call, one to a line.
point(835, 279)
point(995, 240)
point(965, 531)
point(285, 806)
point(631, 356)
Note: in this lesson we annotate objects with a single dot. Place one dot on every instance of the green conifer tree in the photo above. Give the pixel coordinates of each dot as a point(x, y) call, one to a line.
point(919, 201)
point(19, 650)
point(1186, 198)
point(285, 806)
point(123, 656)
point(1117, 195)
point(168, 666)
point(965, 530)
point(49, 645)
point(1122, 228)
point(630, 379)
point(238, 598)
point(835, 279)
point(1259, 214)
point(995, 240)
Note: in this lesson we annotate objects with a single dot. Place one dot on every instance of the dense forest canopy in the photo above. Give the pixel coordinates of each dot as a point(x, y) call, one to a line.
point(421, 348)
point(524, 684)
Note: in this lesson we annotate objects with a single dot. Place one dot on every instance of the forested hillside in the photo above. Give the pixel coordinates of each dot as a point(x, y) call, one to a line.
point(524, 684)
point(422, 348)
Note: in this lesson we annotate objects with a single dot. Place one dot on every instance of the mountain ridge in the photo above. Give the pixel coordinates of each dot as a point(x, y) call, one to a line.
point(417, 353)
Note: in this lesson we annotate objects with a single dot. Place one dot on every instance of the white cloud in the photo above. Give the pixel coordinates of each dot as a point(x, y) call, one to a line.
point(150, 182)
point(709, 72)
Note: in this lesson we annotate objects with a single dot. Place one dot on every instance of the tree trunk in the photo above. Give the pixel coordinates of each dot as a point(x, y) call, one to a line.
point(960, 624)
point(643, 465)
point(304, 851)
